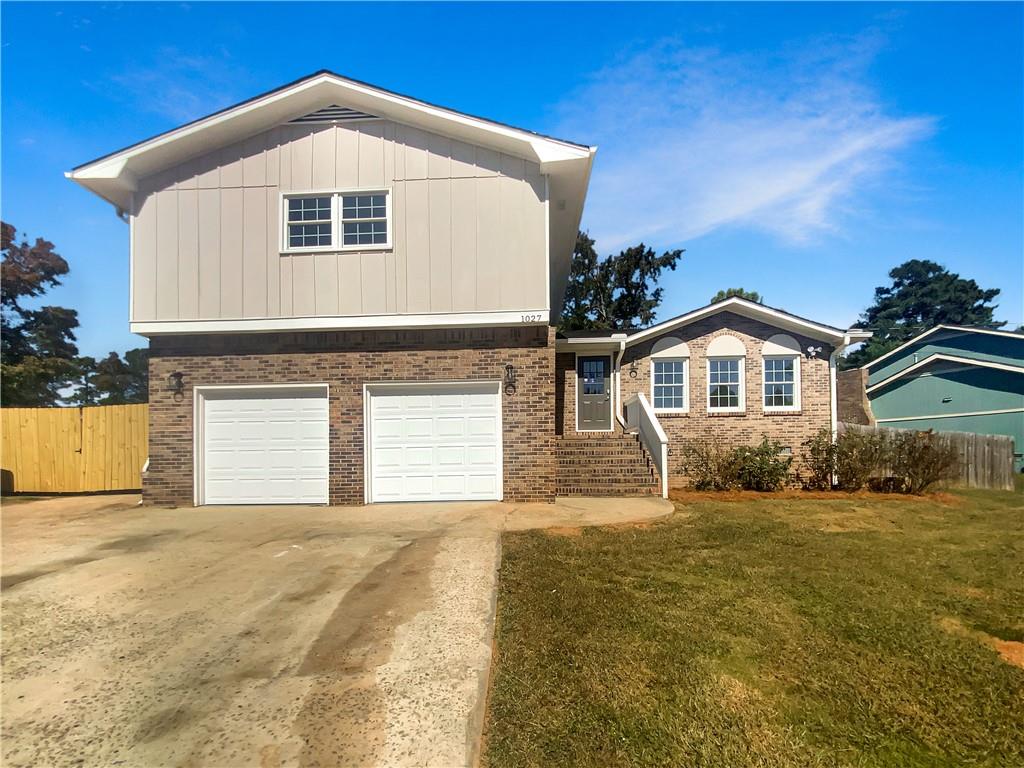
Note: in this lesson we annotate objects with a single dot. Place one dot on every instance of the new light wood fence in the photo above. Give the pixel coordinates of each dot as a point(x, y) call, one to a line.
point(67, 450)
point(986, 461)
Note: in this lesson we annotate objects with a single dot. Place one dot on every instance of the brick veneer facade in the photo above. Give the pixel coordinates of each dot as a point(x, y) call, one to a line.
point(345, 361)
point(791, 429)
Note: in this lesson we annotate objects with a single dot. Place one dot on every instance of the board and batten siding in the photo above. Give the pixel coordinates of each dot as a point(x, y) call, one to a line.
point(469, 229)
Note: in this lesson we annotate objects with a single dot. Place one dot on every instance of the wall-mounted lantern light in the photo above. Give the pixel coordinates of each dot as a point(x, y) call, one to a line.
point(633, 370)
point(175, 383)
point(510, 379)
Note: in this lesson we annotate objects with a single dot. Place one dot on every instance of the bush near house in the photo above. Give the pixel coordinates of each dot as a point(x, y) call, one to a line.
point(714, 467)
point(906, 461)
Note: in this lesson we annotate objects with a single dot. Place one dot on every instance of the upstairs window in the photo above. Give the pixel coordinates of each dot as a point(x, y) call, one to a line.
point(309, 222)
point(336, 221)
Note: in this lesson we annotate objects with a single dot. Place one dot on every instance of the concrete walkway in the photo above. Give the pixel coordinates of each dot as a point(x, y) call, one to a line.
point(238, 636)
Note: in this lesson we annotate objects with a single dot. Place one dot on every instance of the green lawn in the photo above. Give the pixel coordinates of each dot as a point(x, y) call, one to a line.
point(774, 632)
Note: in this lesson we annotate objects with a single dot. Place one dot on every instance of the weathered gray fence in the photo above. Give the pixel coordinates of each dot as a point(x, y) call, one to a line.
point(986, 461)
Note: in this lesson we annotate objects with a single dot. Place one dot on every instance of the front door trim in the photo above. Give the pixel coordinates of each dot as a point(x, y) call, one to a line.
point(611, 380)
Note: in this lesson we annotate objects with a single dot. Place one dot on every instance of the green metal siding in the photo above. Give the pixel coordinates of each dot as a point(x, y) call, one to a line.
point(978, 346)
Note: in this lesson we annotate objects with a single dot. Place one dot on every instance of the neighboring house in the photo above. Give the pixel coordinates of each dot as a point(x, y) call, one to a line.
point(349, 296)
point(952, 379)
point(731, 372)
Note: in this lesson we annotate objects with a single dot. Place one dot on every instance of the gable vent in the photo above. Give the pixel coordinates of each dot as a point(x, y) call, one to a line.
point(333, 114)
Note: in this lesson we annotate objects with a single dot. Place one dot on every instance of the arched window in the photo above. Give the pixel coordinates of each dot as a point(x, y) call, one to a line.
point(670, 375)
point(781, 379)
point(726, 373)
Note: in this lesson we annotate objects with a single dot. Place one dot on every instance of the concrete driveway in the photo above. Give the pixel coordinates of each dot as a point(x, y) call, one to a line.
point(239, 636)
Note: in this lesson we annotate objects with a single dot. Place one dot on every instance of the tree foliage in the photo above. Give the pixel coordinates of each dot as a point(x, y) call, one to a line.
point(616, 292)
point(742, 293)
point(113, 380)
point(923, 294)
point(37, 346)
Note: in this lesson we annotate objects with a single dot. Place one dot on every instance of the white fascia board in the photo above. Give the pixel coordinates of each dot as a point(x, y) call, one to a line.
point(531, 317)
point(747, 309)
point(597, 343)
point(296, 99)
point(971, 361)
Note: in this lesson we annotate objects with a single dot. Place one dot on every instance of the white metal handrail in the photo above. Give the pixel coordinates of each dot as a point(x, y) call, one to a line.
point(640, 419)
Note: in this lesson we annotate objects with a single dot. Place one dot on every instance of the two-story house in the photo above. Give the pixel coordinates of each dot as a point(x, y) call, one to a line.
point(349, 297)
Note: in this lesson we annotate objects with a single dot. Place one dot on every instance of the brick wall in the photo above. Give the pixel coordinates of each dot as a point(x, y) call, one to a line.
point(852, 398)
point(345, 361)
point(790, 429)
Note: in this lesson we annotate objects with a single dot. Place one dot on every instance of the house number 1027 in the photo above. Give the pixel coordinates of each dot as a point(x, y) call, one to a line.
point(533, 318)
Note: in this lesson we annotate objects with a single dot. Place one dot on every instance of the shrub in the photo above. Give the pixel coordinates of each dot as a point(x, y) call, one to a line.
point(709, 465)
point(819, 461)
point(714, 467)
point(921, 459)
point(899, 461)
point(859, 455)
point(761, 467)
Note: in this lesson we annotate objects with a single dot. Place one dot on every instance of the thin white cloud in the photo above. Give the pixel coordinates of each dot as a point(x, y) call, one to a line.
point(178, 85)
point(692, 140)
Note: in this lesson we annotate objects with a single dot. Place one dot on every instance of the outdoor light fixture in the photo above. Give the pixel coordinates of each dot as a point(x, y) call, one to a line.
point(510, 379)
point(633, 370)
point(175, 383)
point(813, 351)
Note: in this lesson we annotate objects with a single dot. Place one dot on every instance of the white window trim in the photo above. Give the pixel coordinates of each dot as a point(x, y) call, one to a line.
point(796, 384)
point(742, 407)
point(686, 384)
point(336, 223)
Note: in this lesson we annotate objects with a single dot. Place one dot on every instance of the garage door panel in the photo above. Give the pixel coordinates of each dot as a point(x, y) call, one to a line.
point(265, 447)
point(446, 447)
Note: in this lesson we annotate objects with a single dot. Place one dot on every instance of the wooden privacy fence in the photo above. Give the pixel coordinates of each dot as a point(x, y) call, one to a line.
point(986, 461)
point(66, 450)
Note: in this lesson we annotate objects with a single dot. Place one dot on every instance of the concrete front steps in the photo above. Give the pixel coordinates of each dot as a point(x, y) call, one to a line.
point(604, 465)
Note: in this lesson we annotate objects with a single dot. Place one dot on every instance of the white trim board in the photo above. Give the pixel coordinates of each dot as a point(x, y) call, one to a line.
point(519, 317)
point(939, 357)
point(950, 415)
point(930, 331)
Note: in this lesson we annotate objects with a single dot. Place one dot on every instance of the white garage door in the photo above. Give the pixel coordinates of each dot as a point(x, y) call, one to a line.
point(435, 443)
point(265, 446)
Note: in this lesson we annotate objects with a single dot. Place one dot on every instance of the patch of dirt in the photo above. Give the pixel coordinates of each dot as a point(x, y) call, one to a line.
point(1009, 651)
point(686, 495)
point(564, 530)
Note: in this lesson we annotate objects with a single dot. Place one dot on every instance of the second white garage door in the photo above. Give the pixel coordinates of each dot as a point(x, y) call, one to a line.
point(435, 443)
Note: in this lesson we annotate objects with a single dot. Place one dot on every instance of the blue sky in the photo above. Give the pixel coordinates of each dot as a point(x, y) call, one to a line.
point(800, 150)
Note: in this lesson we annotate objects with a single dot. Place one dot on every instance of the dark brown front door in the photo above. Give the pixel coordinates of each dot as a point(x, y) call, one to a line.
point(594, 393)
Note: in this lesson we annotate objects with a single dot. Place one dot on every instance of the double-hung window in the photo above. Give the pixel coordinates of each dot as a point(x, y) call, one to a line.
point(668, 378)
point(725, 385)
point(336, 221)
point(782, 383)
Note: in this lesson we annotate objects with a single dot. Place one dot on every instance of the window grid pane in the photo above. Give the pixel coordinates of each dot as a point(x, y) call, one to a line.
point(779, 382)
point(309, 209)
point(669, 384)
point(723, 384)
